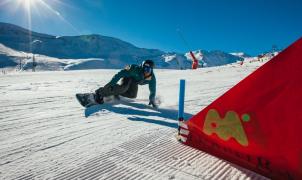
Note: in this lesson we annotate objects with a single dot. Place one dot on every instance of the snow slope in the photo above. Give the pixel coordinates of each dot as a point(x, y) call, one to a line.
point(240, 54)
point(44, 134)
point(12, 58)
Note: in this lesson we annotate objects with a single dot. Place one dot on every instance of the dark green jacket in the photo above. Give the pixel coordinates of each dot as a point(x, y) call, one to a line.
point(137, 73)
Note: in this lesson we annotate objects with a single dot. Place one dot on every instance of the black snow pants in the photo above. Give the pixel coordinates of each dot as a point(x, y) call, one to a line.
point(128, 88)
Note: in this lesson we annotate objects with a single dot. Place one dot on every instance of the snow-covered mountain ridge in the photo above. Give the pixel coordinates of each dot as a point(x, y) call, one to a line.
point(114, 53)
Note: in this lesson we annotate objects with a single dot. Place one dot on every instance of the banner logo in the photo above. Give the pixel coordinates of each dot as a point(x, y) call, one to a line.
point(228, 127)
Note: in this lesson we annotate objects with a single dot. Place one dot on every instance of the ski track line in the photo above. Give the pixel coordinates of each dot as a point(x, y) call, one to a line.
point(47, 127)
point(22, 114)
point(135, 150)
point(125, 173)
point(188, 153)
point(220, 168)
point(33, 110)
point(43, 113)
point(61, 137)
point(116, 175)
point(122, 159)
point(101, 171)
point(101, 167)
point(90, 166)
point(161, 167)
point(31, 128)
point(212, 165)
point(41, 118)
point(171, 159)
point(33, 150)
point(66, 175)
point(41, 173)
point(32, 101)
point(163, 155)
point(32, 104)
point(24, 124)
point(228, 173)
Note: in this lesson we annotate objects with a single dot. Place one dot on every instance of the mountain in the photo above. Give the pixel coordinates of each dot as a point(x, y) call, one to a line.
point(113, 52)
point(72, 47)
point(214, 58)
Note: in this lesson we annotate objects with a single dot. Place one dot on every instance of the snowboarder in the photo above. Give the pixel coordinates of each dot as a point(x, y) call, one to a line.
point(132, 76)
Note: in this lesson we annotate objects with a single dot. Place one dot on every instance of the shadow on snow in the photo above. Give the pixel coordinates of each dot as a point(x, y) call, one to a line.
point(142, 112)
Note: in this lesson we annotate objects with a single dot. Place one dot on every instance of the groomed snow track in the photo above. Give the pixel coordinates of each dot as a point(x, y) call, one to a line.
point(44, 134)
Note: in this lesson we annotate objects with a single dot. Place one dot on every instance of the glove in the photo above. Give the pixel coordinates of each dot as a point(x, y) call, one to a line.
point(152, 103)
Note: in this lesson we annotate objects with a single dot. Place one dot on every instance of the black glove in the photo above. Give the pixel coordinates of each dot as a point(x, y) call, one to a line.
point(152, 103)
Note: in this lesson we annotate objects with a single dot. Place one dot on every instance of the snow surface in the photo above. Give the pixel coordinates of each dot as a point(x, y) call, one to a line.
point(45, 135)
point(240, 54)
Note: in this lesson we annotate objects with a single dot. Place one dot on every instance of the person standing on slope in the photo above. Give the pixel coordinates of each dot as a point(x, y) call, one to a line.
point(132, 76)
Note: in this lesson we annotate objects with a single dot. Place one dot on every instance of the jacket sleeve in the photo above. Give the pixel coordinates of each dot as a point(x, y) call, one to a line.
point(123, 73)
point(152, 88)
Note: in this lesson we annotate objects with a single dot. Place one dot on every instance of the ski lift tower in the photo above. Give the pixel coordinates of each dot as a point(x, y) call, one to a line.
point(34, 63)
point(194, 60)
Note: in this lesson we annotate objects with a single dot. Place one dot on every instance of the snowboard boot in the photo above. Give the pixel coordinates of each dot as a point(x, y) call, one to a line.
point(98, 99)
point(82, 98)
point(92, 100)
point(86, 99)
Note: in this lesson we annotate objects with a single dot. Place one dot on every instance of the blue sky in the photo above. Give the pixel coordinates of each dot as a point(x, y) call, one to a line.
point(230, 25)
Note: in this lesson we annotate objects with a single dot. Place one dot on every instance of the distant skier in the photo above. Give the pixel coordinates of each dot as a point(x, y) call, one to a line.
point(132, 76)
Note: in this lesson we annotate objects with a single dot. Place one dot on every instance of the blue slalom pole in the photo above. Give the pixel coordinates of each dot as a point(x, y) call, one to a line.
point(181, 104)
point(181, 101)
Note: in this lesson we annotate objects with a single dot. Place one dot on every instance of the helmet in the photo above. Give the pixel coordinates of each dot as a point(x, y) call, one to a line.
point(149, 63)
point(148, 66)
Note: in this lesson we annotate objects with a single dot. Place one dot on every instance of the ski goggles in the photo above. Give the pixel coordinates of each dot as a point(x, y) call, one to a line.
point(147, 69)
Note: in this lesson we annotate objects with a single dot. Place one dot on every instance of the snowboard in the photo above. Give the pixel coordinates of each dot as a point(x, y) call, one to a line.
point(86, 99)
